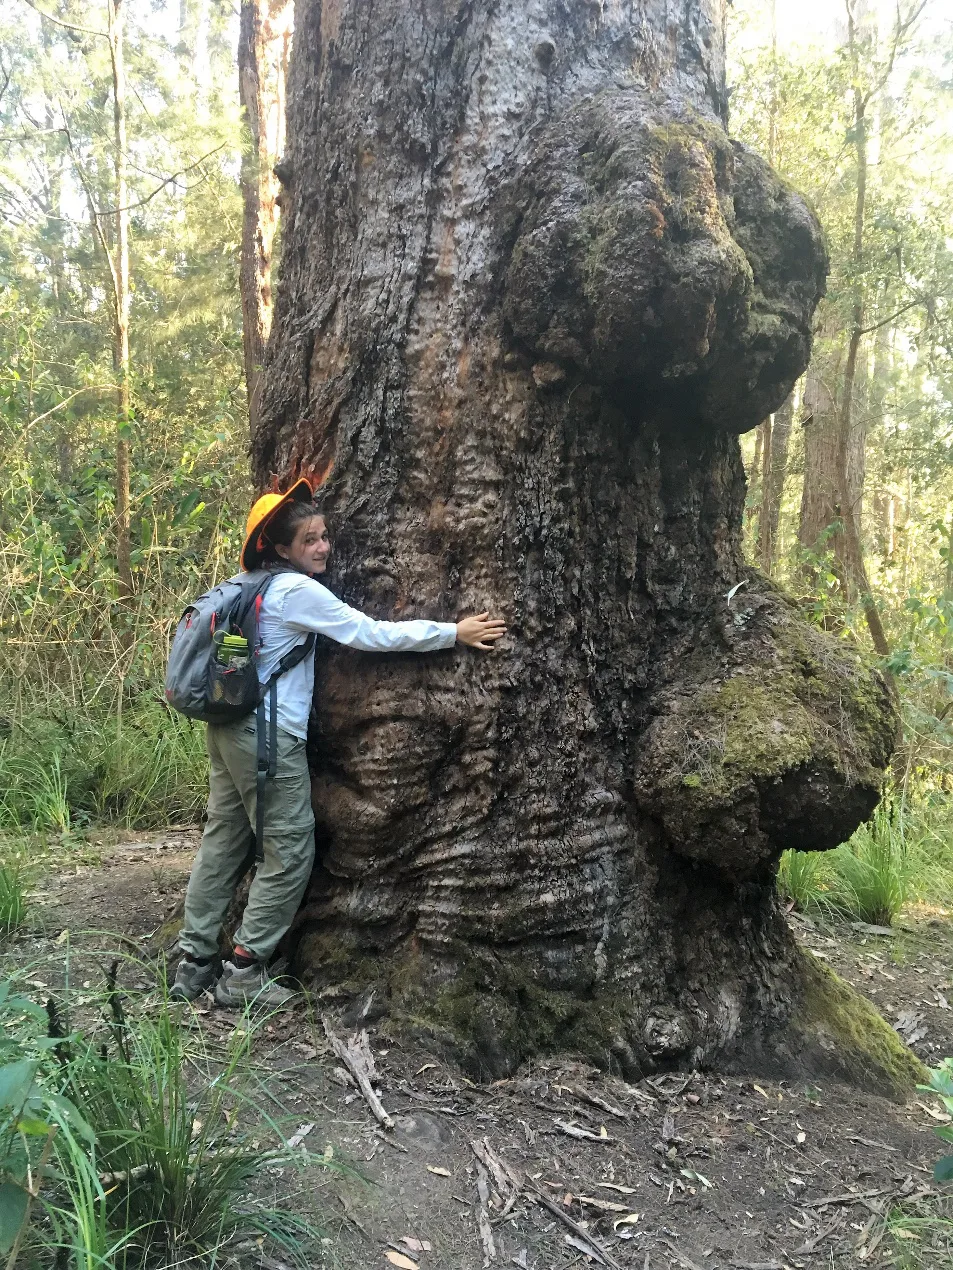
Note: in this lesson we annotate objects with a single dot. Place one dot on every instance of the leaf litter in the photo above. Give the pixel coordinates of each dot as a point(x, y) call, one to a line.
point(727, 1171)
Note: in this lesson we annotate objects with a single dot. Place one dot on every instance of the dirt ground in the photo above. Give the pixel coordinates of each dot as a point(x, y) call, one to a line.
point(562, 1165)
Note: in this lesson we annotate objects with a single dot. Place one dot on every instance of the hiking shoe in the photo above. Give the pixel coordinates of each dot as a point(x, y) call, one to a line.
point(241, 986)
point(191, 979)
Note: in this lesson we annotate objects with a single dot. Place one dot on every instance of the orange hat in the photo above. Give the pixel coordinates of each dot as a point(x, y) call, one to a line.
point(259, 516)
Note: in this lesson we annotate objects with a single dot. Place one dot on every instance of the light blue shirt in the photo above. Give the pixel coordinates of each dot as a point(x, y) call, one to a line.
point(294, 605)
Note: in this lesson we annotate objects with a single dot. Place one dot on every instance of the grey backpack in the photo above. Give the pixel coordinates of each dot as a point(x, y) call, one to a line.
point(212, 673)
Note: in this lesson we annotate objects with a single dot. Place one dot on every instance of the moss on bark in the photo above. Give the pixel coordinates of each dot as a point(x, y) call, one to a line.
point(835, 1030)
point(784, 747)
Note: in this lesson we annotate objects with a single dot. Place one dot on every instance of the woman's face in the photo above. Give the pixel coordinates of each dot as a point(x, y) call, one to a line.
point(310, 548)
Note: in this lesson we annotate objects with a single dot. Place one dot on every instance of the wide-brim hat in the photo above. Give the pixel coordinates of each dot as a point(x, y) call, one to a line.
point(261, 513)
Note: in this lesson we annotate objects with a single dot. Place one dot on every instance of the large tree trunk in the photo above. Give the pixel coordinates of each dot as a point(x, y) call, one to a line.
point(530, 294)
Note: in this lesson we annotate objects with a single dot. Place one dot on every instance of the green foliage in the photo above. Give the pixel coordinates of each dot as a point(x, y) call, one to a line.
point(81, 735)
point(145, 767)
point(873, 872)
point(897, 857)
point(135, 1144)
point(803, 880)
point(792, 99)
point(941, 1084)
point(13, 901)
point(32, 1117)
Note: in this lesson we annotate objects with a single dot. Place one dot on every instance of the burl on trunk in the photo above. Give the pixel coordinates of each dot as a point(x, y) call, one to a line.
point(530, 294)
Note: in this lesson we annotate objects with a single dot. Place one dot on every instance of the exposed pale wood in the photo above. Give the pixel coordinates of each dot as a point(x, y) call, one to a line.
point(483, 1216)
point(357, 1058)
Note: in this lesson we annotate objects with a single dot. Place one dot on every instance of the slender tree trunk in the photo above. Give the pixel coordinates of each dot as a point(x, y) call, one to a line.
point(774, 471)
point(56, 256)
point(517, 337)
point(767, 445)
point(755, 478)
point(818, 524)
point(263, 46)
point(853, 552)
point(121, 297)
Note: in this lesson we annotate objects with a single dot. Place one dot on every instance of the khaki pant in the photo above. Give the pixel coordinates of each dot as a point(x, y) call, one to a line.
point(225, 854)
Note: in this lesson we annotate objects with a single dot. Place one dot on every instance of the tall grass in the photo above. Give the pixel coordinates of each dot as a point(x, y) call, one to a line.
point(155, 1139)
point(897, 857)
point(85, 735)
point(146, 767)
point(13, 902)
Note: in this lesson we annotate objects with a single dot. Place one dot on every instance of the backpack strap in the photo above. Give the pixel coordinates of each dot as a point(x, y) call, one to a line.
point(268, 738)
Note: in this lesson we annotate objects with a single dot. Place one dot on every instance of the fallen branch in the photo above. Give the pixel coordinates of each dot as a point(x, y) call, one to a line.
point(576, 1131)
point(868, 1142)
point(508, 1182)
point(391, 1142)
point(359, 1061)
point(483, 1217)
point(681, 1259)
point(811, 1244)
point(850, 1197)
point(602, 1103)
point(601, 1254)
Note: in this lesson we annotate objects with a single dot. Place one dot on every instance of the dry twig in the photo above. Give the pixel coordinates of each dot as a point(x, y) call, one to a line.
point(576, 1131)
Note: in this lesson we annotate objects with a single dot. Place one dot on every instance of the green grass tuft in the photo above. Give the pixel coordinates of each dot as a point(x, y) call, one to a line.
point(157, 1141)
point(147, 768)
point(13, 902)
point(894, 859)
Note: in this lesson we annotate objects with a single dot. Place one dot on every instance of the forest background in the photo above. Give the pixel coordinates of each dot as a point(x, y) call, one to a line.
point(123, 473)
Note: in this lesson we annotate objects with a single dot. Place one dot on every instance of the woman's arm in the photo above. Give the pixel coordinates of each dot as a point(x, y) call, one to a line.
point(309, 606)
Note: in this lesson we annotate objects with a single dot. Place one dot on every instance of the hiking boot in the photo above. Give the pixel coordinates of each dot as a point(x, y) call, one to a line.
point(241, 986)
point(192, 979)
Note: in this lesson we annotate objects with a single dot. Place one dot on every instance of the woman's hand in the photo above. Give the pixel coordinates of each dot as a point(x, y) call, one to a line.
point(480, 631)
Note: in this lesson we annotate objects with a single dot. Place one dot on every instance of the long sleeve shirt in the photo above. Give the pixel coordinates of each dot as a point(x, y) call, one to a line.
point(295, 605)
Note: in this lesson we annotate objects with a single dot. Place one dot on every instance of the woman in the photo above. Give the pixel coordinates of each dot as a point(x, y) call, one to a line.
point(287, 532)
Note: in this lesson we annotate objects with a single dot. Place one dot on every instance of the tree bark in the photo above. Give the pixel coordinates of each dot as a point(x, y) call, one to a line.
point(263, 46)
point(530, 295)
